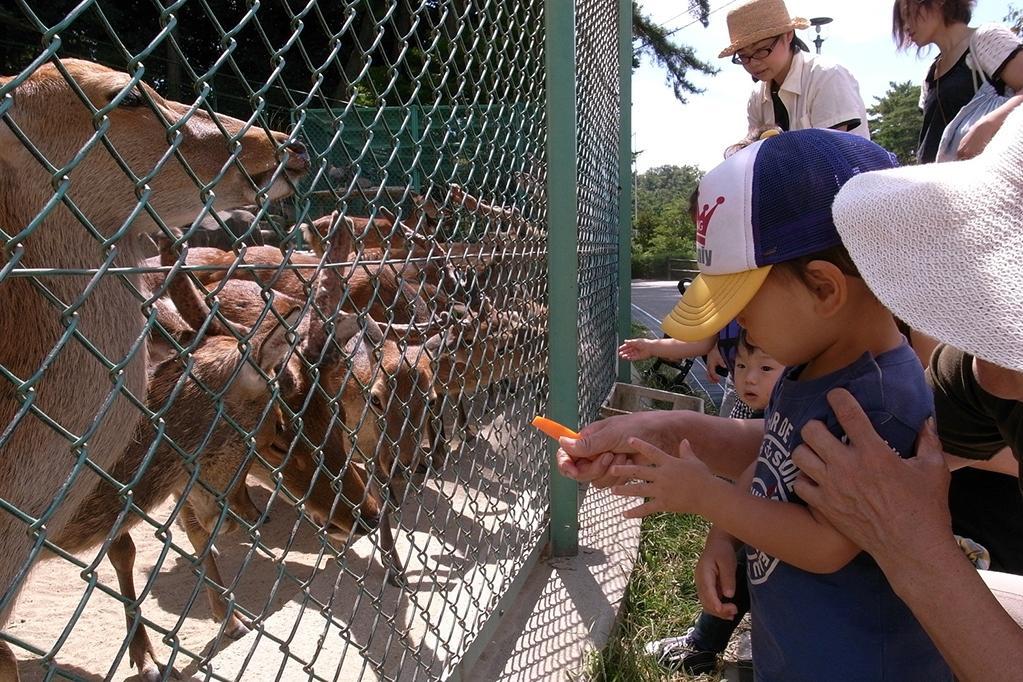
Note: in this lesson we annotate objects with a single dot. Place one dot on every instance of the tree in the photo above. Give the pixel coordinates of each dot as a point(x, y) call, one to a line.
point(896, 119)
point(1014, 19)
point(677, 60)
point(662, 228)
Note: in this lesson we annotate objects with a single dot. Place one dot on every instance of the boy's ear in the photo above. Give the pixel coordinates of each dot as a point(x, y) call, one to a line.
point(828, 285)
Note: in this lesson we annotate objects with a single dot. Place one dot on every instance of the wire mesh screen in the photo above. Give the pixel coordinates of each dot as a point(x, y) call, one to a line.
point(598, 110)
point(274, 304)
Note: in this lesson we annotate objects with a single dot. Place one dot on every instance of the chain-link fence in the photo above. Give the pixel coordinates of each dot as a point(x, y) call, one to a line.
point(275, 308)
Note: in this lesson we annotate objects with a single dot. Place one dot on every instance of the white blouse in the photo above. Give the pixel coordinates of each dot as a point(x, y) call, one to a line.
point(816, 92)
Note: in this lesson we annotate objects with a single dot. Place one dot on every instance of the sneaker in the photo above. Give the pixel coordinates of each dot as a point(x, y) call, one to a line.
point(681, 653)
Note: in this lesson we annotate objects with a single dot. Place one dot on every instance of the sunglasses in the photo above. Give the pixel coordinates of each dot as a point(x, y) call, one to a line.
point(758, 54)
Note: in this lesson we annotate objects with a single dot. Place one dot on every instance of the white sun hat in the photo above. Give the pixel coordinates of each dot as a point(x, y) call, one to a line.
point(941, 245)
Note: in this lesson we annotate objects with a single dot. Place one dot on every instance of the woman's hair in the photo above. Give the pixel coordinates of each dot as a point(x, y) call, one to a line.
point(836, 255)
point(952, 12)
point(694, 203)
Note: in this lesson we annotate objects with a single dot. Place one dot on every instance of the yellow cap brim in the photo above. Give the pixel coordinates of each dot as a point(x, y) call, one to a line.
point(711, 302)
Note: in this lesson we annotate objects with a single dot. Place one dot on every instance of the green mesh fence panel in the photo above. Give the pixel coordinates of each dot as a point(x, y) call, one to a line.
point(274, 302)
point(598, 113)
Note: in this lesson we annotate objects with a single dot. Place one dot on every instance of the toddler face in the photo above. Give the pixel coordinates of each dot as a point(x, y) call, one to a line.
point(756, 374)
point(781, 319)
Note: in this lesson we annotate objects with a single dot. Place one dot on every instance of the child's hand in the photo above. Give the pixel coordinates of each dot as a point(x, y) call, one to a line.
point(669, 483)
point(635, 349)
point(715, 575)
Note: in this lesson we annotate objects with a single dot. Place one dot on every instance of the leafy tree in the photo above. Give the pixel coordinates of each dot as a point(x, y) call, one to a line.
point(677, 60)
point(1014, 19)
point(662, 228)
point(896, 119)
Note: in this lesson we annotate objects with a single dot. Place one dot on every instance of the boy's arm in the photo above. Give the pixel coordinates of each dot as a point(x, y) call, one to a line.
point(684, 484)
point(785, 530)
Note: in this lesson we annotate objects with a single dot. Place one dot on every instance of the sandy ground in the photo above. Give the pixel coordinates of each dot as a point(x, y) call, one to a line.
point(319, 614)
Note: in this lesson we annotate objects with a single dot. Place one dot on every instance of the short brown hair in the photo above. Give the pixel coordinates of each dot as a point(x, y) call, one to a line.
point(836, 255)
point(952, 12)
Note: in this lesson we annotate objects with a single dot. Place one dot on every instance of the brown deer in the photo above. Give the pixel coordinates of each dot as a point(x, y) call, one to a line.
point(71, 205)
point(189, 449)
point(379, 390)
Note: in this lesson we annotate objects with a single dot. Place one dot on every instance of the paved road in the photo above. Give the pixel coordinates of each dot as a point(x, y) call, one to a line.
point(651, 301)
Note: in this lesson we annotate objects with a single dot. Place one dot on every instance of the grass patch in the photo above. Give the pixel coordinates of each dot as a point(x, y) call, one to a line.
point(659, 602)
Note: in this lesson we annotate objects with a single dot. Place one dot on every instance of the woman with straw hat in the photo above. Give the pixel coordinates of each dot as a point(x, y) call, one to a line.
point(795, 89)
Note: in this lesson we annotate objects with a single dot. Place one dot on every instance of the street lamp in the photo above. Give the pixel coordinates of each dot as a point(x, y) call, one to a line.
point(817, 22)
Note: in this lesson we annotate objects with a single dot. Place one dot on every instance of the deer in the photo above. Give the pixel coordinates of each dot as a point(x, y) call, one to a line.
point(101, 175)
point(341, 373)
point(188, 449)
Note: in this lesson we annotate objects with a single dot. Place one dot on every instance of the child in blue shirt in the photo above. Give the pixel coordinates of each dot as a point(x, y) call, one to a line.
point(771, 257)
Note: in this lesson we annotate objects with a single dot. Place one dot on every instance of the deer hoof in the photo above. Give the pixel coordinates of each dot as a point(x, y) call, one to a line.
point(151, 671)
point(237, 627)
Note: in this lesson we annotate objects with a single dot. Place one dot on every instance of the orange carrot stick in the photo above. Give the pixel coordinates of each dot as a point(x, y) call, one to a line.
point(553, 428)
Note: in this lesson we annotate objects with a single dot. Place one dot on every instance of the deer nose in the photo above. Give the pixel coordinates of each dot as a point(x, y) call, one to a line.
point(368, 523)
point(298, 156)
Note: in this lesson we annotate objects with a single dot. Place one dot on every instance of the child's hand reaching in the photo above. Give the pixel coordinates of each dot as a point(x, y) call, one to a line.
point(715, 575)
point(635, 349)
point(674, 484)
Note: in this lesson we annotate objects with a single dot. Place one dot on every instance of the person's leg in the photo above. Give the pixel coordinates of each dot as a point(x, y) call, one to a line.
point(696, 652)
point(1008, 589)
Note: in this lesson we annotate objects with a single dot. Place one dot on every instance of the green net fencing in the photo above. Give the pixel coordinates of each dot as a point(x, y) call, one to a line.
point(274, 307)
point(597, 106)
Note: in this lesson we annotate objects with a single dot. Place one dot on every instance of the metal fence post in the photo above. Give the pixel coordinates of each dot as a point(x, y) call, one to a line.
point(563, 258)
point(625, 181)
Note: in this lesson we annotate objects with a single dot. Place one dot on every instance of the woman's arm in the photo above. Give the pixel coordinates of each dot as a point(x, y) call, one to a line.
point(1002, 463)
point(726, 445)
point(897, 510)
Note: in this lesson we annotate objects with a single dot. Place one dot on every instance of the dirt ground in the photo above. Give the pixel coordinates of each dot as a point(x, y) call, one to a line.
point(461, 534)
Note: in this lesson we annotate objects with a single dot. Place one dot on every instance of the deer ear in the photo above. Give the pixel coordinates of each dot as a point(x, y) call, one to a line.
point(275, 345)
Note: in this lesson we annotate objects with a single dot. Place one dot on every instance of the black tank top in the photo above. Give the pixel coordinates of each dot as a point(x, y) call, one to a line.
point(945, 97)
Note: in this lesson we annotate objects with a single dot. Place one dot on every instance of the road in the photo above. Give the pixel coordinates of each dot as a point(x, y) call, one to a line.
point(651, 301)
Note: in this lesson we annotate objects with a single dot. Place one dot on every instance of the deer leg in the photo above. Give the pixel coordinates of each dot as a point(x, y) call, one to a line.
point(241, 503)
point(435, 432)
point(462, 419)
point(389, 552)
point(8, 664)
point(140, 650)
point(236, 624)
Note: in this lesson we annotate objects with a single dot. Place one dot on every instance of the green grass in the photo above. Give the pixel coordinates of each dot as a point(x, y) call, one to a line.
point(659, 602)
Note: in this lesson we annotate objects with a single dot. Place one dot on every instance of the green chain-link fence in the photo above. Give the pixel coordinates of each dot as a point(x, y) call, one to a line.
point(276, 311)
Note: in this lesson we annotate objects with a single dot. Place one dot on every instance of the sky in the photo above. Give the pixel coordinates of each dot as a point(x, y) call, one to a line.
point(670, 133)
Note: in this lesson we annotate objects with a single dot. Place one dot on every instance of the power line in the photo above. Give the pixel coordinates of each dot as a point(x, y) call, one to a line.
point(685, 26)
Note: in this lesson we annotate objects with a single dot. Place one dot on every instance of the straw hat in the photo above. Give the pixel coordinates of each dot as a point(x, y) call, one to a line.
point(941, 245)
point(753, 21)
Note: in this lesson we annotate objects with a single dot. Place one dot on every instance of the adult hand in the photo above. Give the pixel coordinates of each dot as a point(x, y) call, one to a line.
point(714, 360)
point(600, 445)
point(885, 504)
point(984, 129)
point(635, 349)
point(979, 135)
